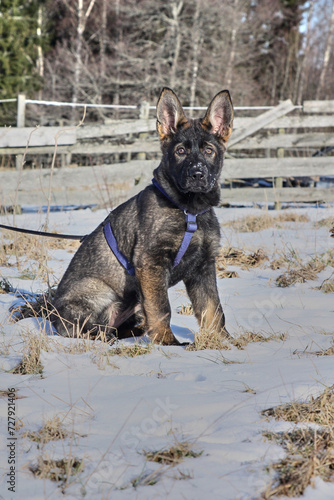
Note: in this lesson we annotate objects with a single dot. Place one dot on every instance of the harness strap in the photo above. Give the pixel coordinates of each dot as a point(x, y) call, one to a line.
point(109, 235)
point(190, 221)
point(191, 227)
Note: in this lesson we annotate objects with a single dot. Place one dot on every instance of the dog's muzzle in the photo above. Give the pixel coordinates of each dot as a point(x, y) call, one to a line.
point(197, 178)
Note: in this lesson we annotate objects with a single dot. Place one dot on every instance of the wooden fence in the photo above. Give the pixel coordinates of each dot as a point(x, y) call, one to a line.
point(276, 145)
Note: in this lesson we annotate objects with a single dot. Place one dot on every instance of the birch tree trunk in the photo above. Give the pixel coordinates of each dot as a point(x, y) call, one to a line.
point(103, 43)
point(304, 69)
point(326, 56)
point(176, 34)
point(81, 25)
point(197, 43)
point(40, 59)
point(229, 69)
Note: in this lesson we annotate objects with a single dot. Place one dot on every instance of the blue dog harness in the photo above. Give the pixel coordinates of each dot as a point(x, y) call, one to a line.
point(191, 227)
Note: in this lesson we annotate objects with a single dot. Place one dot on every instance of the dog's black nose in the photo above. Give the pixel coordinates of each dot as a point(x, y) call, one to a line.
point(197, 173)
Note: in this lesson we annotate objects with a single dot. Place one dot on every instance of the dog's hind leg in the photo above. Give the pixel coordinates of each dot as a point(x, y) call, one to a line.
point(84, 308)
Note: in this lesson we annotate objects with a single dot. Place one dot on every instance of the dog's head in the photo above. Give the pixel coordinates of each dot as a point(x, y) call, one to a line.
point(193, 150)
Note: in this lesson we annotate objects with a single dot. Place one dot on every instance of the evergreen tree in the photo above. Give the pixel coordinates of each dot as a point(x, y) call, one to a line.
point(19, 43)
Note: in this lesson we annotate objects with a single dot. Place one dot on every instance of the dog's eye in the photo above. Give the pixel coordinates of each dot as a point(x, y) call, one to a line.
point(208, 150)
point(181, 151)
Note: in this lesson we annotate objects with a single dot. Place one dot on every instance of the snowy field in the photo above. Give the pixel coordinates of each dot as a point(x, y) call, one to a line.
point(115, 409)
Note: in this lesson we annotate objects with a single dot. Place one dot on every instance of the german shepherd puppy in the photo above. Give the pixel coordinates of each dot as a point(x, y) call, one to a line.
point(97, 292)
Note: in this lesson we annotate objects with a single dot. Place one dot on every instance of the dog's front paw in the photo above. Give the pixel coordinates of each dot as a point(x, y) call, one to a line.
point(163, 338)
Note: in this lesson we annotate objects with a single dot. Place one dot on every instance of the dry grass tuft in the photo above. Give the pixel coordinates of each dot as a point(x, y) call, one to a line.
point(57, 470)
point(277, 263)
point(236, 257)
point(292, 217)
point(310, 451)
point(31, 360)
point(327, 222)
point(131, 351)
point(225, 273)
point(301, 275)
point(22, 246)
point(29, 246)
point(147, 479)
point(327, 286)
point(249, 337)
point(31, 250)
point(319, 410)
point(52, 430)
point(173, 455)
point(254, 223)
point(298, 272)
point(325, 352)
point(186, 310)
point(327, 258)
point(38, 306)
point(208, 337)
point(168, 458)
point(3, 258)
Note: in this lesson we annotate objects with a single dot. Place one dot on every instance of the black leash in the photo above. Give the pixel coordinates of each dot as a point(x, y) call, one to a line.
point(41, 233)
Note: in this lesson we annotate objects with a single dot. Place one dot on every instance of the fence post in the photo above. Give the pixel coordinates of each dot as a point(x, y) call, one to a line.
point(20, 122)
point(144, 113)
point(278, 181)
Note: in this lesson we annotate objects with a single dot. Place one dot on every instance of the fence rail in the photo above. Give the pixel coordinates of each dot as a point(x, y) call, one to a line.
point(279, 143)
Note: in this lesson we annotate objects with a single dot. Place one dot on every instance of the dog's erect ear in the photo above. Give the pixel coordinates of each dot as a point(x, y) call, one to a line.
point(170, 114)
point(219, 116)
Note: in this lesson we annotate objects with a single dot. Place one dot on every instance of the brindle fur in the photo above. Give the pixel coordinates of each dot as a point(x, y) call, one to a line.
point(97, 293)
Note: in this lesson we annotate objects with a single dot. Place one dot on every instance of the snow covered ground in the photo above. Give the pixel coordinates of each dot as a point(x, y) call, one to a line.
point(115, 407)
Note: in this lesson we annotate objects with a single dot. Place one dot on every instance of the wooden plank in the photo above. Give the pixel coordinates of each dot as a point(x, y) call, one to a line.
point(297, 121)
point(90, 149)
point(263, 195)
point(238, 168)
point(318, 106)
point(261, 121)
point(136, 147)
point(115, 128)
point(89, 196)
point(35, 150)
point(275, 141)
point(79, 185)
point(39, 136)
point(76, 178)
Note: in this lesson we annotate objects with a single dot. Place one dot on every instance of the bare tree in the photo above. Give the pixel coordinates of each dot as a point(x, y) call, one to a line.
point(231, 58)
point(304, 66)
point(174, 21)
point(327, 54)
point(82, 17)
point(195, 62)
